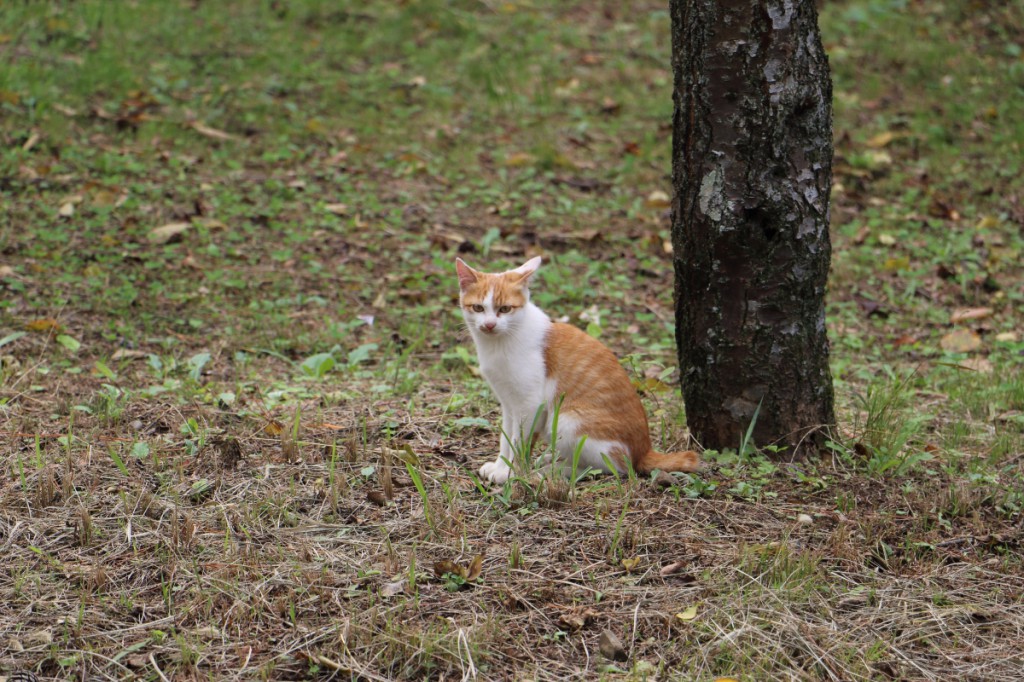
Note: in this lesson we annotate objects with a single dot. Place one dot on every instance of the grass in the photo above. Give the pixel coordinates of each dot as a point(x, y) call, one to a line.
point(201, 425)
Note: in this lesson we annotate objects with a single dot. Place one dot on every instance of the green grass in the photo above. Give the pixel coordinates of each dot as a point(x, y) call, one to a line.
point(198, 435)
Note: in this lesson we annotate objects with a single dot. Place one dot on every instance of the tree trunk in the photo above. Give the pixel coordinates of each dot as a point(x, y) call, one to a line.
point(752, 172)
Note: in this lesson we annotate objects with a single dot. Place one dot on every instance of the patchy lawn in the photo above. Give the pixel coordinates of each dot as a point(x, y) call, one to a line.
point(240, 421)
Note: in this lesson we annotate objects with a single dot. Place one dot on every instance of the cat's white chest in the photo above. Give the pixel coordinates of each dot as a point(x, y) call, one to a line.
point(514, 365)
point(516, 375)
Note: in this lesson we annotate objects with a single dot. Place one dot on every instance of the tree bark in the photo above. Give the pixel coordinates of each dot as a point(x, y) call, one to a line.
point(752, 172)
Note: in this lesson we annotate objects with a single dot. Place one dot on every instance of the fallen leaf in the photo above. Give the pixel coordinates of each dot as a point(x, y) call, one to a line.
point(392, 589)
point(1007, 337)
point(445, 566)
point(664, 479)
point(610, 106)
point(66, 210)
point(207, 632)
point(165, 233)
point(879, 158)
point(519, 159)
point(38, 638)
point(211, 132)
point(966, 314)
point(979, 365)
point(475, 567)
point(630, 564)
point(577, 619)
point(44, 324)
point(104, 197)
point(376, 497)
point(658, 199)
point(336, 209)
point(273, 428)
point(871, 308)
point(672, 568)
point(881, 139)
point(128, 354)
point(687, 615)
point(611, 647)
point(960, 341)
point(211, 224)
point(987, 223)
point(30, 142)
point(886, 239)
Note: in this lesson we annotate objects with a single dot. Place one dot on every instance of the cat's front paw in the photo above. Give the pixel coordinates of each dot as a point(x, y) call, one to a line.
point(495, 472)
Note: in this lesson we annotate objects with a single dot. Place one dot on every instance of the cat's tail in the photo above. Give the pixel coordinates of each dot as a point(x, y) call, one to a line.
point(687, 460)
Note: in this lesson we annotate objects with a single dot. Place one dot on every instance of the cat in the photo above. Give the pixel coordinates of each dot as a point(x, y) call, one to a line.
point(538, 368)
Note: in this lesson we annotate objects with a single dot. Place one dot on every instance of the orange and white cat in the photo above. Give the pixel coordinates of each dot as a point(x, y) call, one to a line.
point(534, 364)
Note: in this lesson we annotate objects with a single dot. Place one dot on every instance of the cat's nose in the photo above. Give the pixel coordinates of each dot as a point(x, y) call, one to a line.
point(489, 326)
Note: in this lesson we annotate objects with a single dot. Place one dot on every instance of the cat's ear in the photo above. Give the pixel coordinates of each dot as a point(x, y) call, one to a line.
point(467, 275)
point(528, 268)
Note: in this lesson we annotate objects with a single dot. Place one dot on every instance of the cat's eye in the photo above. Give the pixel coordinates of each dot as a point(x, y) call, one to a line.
point(505, 309)
point(477, 308)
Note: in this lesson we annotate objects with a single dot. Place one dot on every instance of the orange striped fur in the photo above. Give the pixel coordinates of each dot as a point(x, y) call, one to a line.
point(532, 362)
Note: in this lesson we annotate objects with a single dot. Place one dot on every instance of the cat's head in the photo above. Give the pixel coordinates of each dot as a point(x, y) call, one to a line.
point(492, 303)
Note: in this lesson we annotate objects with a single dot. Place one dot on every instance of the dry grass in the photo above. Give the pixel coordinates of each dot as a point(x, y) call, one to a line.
point(292, 567)
point(154, 527)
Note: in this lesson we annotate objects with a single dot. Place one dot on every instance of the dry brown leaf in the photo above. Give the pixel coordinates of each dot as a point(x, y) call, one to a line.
point(211, 224)
point(673, 568)
point(577, 619)
point(206, 130)
point(128, 354)
point(392, 589)
point(476, 567)
point(165, 233)
point(445, 566)
point(658, 199)
point(336, 209)
point(979, 365)
point(967, 314)
point(44, 324)
point(881, 139)
point(960, 341)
